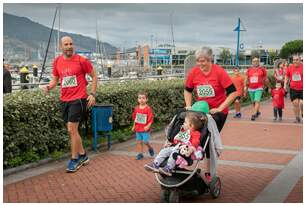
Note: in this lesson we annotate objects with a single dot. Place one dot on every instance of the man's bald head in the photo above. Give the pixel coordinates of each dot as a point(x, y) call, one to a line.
point(67, 46)
point(66, 38)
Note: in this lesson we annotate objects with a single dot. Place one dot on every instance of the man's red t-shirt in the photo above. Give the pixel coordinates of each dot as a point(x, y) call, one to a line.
point(278, 96)
point(209, 87)
point(71, 73)
point(256, 76)
point(296, 76)
point(142, 117)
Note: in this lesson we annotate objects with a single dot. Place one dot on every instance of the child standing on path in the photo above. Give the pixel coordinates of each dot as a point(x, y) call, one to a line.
point(238, 81)
point(143, 119)
point(278, 95)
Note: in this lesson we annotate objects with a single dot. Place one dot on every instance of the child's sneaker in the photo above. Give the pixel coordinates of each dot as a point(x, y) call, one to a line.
point(139, 156)
point(274, 119)
point(237, 115)
point(151, 167)
point(166, 170)
point(297, 120)
point(253, 117)
point(280, 119)
point(257, 114)
point(73, 165)
point(151, 152)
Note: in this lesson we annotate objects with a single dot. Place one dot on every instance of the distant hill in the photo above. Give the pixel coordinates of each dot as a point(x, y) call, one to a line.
point(23, 37)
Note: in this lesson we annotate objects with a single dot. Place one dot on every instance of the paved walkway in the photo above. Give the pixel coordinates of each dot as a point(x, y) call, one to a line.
point(262, 162)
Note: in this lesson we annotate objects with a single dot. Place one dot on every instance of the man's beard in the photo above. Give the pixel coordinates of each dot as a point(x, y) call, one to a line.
point(68, 53)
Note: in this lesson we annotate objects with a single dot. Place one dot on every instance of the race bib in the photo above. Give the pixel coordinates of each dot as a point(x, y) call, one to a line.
point(205, 91)
point(254, 79)
point(296, 77)
point(183, 136)
point(69, 81)
point(141, 118)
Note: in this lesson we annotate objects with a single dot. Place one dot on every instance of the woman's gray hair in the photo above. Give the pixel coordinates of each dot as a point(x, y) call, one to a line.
point(205, 52)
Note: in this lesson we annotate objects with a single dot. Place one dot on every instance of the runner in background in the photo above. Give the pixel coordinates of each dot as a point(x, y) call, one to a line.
point(294, 75)
point(256, 78)
point(238, 81)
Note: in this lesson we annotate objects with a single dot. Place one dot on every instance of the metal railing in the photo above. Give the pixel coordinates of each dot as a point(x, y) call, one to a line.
point(104, 80)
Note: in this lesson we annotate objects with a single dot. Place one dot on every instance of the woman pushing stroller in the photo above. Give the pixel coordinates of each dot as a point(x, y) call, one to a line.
point(212, 84)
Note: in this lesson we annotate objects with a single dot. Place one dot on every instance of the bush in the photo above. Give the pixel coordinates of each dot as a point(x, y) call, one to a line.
point(32, 127)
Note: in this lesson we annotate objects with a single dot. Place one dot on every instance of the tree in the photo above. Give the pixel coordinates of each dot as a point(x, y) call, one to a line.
point(272, 56)
point(290, 48)
point(225, 55)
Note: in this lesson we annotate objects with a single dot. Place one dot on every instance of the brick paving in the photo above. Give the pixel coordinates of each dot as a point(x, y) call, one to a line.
point(115, 176)
point(296, 196)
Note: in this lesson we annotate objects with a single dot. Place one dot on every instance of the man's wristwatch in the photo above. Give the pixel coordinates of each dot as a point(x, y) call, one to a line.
point(93, 94)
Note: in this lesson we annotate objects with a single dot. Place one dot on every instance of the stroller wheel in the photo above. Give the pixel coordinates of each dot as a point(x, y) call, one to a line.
point(164, 195)
point(215, 187)
point(174, 196)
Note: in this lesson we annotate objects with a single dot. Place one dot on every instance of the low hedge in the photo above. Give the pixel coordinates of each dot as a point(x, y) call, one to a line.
point(33, 125)
point(34, 128)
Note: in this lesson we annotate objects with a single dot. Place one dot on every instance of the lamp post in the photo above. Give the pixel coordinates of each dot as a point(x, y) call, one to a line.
point(238, 41)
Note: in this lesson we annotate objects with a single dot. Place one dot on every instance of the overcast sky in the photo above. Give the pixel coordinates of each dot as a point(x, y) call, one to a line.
point(194, 25)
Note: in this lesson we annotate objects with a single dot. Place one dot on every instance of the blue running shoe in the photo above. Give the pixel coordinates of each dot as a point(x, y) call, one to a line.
point(151, 152)
point(73, 165)
point(139, 156)
point(83, 159)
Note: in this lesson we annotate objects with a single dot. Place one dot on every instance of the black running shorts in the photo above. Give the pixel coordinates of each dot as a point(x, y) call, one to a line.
point(74, 111)
point(296, 94)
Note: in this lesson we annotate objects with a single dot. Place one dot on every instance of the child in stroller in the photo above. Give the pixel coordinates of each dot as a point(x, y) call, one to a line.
point(185, 181)
point(184, 144)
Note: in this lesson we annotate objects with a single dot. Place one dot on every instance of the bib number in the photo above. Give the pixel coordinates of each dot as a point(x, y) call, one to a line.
point(69, 81)
point(141, 118)
point(205, 91)
point(254, 79)
point(296, 77)
point(183, 136)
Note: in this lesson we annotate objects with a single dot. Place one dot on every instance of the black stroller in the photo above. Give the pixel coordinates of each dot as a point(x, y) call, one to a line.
point(185, 182)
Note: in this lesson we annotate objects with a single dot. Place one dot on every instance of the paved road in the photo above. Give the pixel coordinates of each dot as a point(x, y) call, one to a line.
point(262, 162)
